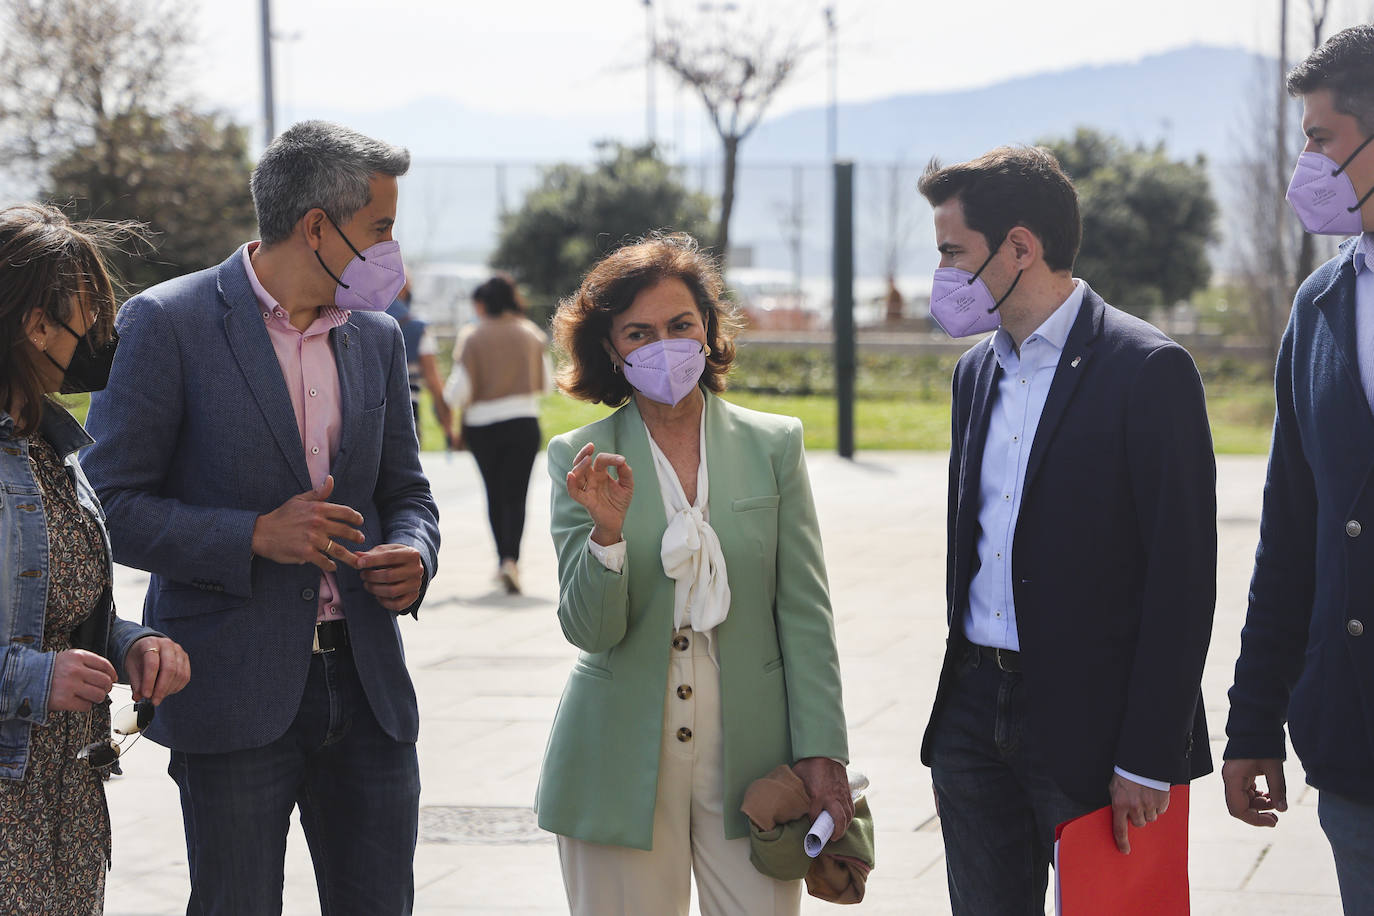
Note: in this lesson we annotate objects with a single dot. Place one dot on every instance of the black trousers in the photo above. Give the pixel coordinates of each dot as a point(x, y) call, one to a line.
point(505, 455)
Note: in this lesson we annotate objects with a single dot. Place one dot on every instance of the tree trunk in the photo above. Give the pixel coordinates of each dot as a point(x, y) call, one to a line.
point(727, 197)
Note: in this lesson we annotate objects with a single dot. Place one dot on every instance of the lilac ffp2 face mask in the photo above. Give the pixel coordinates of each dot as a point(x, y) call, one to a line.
point(1323, 196)
point(962, 304)
point(666, 371)
point(371, 281)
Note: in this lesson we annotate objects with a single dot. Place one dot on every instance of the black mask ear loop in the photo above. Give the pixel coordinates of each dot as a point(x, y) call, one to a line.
point(79, 338)
point(358, 254)
point(998, 304)
point(1349, 159)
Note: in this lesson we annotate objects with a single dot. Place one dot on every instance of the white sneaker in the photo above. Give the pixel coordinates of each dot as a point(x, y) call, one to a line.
point(510, 577)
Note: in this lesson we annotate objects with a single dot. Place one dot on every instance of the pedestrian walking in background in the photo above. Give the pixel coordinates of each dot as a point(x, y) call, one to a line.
point(691, 577)
point(500, 371)
point(65, 646)
point(422, 367)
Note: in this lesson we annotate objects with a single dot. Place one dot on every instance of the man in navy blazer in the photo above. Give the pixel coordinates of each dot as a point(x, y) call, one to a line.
point(1082, 542)
point(1307, 650)
point(256, 454)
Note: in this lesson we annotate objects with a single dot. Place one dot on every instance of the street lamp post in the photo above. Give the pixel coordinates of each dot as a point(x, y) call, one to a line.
point(832, 62)
point(650, 102)
point(269, 120)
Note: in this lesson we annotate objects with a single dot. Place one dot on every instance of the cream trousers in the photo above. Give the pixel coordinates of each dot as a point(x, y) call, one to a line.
point(689, 825)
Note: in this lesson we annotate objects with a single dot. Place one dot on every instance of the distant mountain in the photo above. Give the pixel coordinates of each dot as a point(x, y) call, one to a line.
point(1195, 100)
point(1188, 98)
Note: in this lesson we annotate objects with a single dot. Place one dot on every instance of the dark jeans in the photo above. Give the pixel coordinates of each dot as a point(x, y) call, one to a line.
point(998, 804)
point(358, 791)
point(505, 454)
point(1349, 828)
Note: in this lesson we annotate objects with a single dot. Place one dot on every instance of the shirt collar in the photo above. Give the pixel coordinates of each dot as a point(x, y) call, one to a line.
point(1053, 331)
point(274, 314)
point(1364, 253)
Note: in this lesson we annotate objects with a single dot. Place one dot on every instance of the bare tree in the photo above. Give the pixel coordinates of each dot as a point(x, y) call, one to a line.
point(736, 69)
point(68, 68)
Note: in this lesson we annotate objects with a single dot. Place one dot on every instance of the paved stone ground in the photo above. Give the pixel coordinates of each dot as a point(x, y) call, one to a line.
point(489, 669)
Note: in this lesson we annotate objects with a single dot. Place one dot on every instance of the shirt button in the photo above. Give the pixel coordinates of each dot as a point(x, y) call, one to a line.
point(1354, 628)
point(281, 314)
point(680, 643)
point(684, 734)
point(684, 692)
point(999, 554)
point(1006, 496)
point(313, 392)
point(307, 594)
point(314, 450)
point(266, 314)
point(1023, 381)
point(1015, 438)
point(1352, 528)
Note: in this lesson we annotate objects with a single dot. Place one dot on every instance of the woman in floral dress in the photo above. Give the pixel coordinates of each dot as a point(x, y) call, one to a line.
point(64, 647)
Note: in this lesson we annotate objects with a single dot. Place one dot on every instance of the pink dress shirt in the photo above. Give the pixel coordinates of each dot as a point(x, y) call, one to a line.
point(312, 379)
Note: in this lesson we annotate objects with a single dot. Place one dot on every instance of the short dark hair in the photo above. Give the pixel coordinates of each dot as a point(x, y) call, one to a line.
point(1344, 63)
point(1008, 187)
point(583, 320)
point(47, 262)
point(499, 295)
point(318, 164)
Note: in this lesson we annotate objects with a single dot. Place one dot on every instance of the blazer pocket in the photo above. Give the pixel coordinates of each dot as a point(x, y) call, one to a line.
point(746, 503)
point(772, 666)
point(581, 666)
point(179, 599)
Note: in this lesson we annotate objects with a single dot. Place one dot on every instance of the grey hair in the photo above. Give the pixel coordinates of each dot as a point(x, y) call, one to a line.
point(318, 164)
point(1344, 64)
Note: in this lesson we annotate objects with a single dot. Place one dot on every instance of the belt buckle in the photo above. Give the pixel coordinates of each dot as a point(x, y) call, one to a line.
point(997, 655)
point(315, 642)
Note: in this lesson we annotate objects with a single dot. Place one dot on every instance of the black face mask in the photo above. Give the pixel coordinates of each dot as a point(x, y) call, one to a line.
point(89, 369)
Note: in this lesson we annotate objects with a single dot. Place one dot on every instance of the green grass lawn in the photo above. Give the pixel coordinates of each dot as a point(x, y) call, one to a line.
point(1241, 415)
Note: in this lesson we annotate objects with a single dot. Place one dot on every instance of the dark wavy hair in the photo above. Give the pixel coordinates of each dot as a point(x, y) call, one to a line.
point(49, 262)
point(1008, 187)
point(583, 320)
point(499, 295)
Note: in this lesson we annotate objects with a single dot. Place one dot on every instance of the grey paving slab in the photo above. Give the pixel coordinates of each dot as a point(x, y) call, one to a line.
point(489, 669)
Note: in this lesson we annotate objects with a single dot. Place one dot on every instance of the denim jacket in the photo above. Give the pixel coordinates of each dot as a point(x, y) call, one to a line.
point(26, 674)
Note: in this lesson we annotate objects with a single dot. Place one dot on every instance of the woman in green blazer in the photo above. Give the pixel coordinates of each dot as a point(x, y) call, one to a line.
point(697, 595)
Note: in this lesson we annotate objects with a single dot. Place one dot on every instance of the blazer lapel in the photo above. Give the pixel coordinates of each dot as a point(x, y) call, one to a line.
point(251, 346)
point(1337, 305)
point(970, 470)
point(1073, 363)
point(346, 341)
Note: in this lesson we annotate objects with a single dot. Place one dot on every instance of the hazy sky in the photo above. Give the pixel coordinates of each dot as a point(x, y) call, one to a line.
point(586, 56)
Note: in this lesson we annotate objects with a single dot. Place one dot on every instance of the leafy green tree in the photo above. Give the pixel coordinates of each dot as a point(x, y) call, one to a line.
point(184, 174)
point(1147, 220)
point(577, 214)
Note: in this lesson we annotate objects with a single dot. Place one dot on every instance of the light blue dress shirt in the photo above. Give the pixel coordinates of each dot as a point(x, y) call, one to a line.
point(1364, 312)
point(1017, 403)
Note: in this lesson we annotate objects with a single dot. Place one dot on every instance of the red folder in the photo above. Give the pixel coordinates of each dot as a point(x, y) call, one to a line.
point(1091, 877)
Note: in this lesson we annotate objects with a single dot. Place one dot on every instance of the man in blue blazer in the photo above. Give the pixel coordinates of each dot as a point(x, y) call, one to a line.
point(1082, 542)
point(1307, 650)
point(256, 453)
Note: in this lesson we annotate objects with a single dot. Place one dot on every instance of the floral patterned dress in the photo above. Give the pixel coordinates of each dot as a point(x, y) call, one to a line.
point(54, 826)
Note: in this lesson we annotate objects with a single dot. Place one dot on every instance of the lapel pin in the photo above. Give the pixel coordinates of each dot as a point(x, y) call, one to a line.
point(1072, 365)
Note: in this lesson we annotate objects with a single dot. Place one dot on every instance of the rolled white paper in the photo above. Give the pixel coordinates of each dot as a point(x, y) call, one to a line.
point(819, 834)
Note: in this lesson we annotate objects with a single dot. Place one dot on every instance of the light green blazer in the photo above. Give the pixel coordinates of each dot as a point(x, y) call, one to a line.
point(779, 669)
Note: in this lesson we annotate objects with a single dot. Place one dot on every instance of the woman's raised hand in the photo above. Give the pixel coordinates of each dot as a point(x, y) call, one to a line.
point(606, 498)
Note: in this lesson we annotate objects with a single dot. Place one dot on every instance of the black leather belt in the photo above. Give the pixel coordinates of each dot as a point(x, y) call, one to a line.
point(1007, 659)
point(330, 636)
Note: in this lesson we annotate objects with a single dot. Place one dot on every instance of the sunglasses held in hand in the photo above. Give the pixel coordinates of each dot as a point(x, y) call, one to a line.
point(131, 720)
